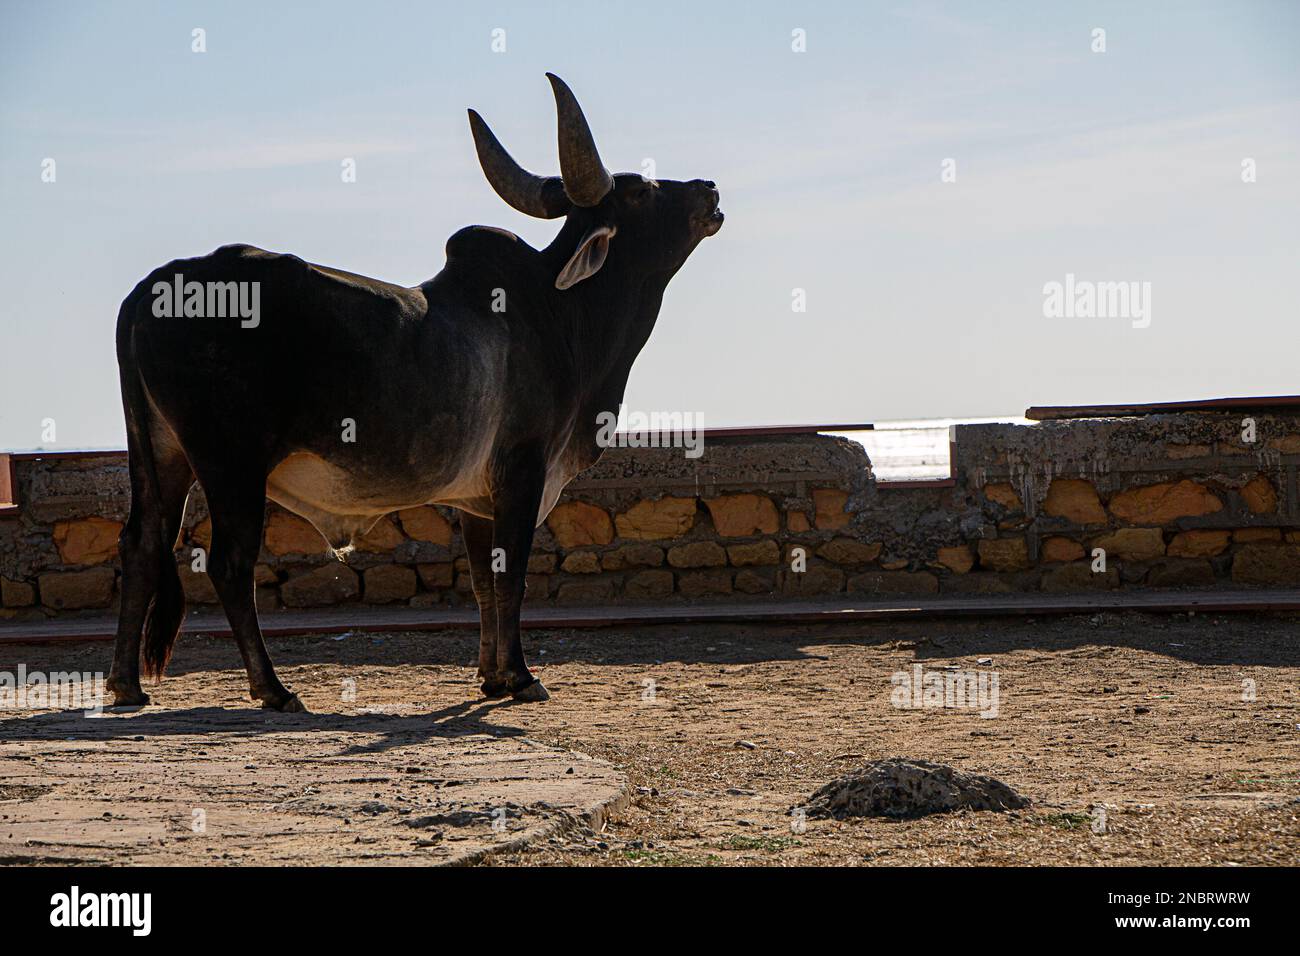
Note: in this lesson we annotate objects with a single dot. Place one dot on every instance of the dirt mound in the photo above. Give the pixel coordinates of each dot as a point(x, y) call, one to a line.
point(910, 788)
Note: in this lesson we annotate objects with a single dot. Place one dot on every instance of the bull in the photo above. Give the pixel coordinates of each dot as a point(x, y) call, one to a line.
point(345, 398)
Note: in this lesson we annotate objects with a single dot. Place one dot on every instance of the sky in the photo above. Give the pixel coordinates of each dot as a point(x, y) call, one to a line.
point(921, 297)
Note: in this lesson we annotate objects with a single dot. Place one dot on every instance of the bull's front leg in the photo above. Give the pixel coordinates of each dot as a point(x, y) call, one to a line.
point(477, 533)
point(521, 477)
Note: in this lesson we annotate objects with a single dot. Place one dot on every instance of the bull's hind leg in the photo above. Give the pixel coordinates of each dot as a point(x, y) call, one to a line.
point(477, 533)
point(151, 589)
point(238, 513)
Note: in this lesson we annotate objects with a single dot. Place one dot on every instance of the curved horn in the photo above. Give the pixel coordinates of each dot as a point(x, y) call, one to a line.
point(586, 180)
point(540, 196)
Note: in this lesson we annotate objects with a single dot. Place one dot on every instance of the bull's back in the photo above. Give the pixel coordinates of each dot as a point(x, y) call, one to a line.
point(334, 366)
point(242, 308)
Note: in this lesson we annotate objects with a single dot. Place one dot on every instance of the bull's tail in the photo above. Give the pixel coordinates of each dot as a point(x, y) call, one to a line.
point(163, 623)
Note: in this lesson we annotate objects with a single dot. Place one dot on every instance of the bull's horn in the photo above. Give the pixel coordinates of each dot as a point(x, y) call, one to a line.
point(586, 180)
point(540, 196)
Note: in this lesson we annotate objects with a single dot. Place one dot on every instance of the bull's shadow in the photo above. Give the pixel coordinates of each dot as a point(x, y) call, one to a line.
point(614, 646)
point(389, 731)
point(1256, 640)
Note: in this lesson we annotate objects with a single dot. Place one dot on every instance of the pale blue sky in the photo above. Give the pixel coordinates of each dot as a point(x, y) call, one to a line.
point(924, 298)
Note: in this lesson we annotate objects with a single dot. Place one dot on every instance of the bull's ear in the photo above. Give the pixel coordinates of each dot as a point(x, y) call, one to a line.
point(586, 262)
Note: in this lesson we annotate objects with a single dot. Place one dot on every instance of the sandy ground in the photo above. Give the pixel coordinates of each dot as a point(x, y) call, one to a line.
point(1148, 740)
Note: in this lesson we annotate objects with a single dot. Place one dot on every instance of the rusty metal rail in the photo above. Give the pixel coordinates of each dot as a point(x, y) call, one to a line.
point(1273, 403)
point(374, 619)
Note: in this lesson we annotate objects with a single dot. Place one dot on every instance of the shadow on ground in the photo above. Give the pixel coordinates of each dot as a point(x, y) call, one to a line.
point(1255, 639)
point(152, 722)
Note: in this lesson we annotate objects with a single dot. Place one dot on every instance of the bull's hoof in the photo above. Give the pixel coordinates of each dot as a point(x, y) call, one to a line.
point(494, 690)
point(126, 698)
point(126, 694)
point(290, 705)
point(533, 693)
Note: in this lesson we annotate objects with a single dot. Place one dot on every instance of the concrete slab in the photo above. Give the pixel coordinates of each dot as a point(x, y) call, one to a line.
point(209, 785)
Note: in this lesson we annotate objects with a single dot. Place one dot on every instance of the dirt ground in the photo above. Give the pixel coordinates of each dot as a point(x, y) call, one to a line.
point(1147, 740)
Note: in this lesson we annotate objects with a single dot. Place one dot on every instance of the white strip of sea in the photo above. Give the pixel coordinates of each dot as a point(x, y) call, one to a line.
point(914, 449)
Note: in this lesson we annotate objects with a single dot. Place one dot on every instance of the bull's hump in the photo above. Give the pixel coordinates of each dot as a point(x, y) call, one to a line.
point(475, 241)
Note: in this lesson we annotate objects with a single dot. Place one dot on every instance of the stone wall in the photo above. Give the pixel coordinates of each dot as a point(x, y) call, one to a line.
point(1174, 501)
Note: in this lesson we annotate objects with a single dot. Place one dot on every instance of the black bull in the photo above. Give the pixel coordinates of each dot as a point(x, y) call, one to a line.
point(344, 398)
